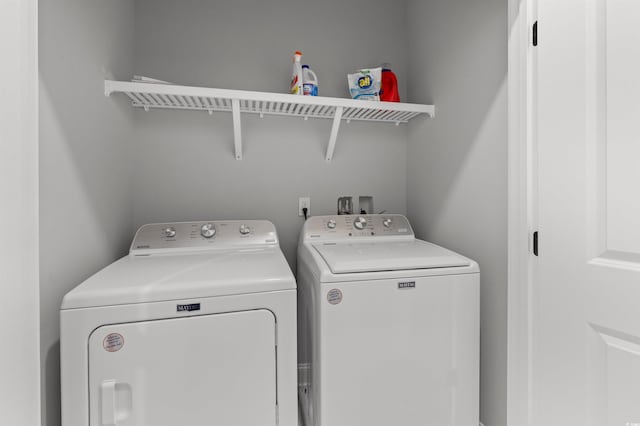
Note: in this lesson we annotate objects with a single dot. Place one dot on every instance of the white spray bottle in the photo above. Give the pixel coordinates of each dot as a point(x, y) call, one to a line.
point(296, 74)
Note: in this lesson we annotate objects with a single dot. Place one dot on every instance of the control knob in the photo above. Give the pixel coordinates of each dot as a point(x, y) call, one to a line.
point(331, 224)
point(169, 232)
point(208, 230)
point(244, 229)
point(360, 223)
point(387, 222)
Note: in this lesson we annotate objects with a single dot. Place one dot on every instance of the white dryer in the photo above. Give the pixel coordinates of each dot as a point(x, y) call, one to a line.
point(388, 326)
point(196, 326)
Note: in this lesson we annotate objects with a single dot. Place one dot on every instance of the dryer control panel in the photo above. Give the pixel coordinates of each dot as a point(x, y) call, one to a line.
point(364, 226)
point(159, 238)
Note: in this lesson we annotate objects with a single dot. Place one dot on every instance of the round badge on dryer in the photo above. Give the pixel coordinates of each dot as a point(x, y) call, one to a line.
point(334, 296)
point(113, 342)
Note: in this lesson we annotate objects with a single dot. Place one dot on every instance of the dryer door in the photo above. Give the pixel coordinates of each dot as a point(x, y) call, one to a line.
point(200, 370)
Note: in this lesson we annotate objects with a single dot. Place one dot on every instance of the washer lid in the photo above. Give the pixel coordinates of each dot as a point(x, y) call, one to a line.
point(343, 258)
point(141, 279)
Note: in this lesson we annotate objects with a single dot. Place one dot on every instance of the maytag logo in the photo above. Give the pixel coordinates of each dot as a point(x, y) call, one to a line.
point(406, 285)
point(188, 308)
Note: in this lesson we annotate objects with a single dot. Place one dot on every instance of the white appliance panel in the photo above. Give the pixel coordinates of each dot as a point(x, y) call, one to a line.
point(357, 227)
point(393, 354)
point(158, 238)
point(199, 370)
point(372, 256)
point(140, 279)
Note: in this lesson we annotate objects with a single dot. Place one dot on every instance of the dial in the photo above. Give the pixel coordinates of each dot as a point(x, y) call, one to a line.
point(208, 230)
point(360, 222)
point(331, 224)
point(387, 222)
point(244, 229)
point(169, 232)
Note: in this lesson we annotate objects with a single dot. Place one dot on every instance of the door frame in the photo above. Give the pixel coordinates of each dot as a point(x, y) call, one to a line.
point(19, 250)
point(522, 168)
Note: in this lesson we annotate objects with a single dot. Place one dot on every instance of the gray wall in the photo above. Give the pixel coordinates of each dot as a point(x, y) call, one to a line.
point(85, 196)
point(457, 169)
point(184, 165)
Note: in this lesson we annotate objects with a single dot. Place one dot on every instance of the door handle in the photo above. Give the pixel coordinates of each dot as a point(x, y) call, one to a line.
point(108, 408)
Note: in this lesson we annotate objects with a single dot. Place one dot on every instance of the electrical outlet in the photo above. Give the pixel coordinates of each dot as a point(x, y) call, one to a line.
point(302, 203)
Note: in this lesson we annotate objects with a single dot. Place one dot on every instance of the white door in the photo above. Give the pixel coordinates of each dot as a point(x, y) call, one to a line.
point(586, 297)
point(203, 370)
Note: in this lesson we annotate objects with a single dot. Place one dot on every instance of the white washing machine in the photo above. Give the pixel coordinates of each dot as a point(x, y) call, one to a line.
point(388, 326)
point(196, 326)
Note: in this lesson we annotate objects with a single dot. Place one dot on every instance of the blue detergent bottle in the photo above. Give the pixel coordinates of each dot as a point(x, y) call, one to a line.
point(309, 81)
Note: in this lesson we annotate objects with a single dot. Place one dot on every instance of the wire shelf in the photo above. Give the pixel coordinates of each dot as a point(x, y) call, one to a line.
point(237, 102)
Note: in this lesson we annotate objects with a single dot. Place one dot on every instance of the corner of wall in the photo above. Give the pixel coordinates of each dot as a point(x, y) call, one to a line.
point(85, 162)
point(457, 162)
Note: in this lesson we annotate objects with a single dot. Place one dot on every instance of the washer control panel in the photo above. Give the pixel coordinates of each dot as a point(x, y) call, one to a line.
point(347, 226)
point(185, 236)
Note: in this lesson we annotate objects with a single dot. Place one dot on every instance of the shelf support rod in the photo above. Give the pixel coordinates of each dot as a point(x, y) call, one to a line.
point(237, 128)
point(334, 132)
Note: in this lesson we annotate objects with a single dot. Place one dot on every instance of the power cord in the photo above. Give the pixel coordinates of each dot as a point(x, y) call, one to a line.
point(304, 212)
